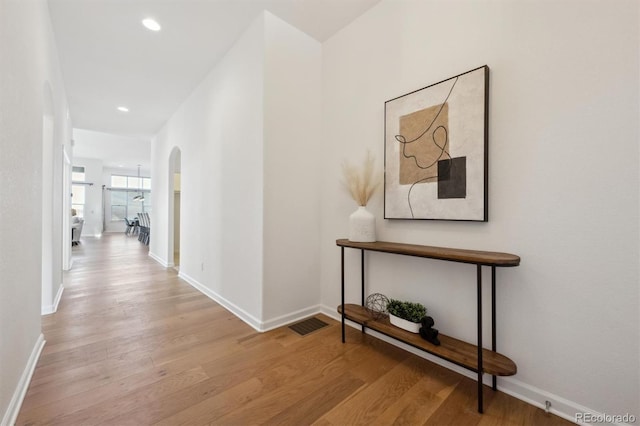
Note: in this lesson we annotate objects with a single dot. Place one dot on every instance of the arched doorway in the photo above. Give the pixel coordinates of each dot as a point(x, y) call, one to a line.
point(175, 193)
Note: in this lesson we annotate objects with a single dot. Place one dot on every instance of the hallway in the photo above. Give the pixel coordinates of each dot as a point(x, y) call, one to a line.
point(128, 339)
point(132, 344)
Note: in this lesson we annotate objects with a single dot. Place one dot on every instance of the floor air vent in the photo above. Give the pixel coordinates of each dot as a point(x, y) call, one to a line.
point(308, 326)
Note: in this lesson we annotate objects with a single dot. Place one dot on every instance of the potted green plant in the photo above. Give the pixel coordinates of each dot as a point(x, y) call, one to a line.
point(406, 315)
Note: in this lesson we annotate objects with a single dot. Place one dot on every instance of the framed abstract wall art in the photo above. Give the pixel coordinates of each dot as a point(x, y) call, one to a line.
point(436, 142)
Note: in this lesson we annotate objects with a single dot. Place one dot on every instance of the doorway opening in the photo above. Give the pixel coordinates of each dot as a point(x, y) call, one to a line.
point(175, 190)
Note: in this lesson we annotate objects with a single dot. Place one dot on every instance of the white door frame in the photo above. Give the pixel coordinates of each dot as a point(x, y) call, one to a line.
point(67, 260)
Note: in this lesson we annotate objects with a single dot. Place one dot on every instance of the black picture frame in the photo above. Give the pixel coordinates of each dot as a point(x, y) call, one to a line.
point(436, 150)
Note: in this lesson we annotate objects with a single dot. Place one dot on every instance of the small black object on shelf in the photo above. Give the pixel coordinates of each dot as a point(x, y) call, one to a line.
point(427, 332)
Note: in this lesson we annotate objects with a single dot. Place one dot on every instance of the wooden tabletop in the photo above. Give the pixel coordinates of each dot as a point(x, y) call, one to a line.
point(476, 257)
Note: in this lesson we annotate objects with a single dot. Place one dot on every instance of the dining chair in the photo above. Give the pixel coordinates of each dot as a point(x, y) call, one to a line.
point(130, 226)
point(145, 228)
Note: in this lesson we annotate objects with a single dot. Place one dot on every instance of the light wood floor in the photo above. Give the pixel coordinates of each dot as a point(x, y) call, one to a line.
point(131, 344)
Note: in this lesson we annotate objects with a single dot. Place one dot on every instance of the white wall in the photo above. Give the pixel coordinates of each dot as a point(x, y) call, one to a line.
point(563, 182)
point(292, 108)
point(27, 62)
point(50, 281)
point(219, 132)
point(249, 210)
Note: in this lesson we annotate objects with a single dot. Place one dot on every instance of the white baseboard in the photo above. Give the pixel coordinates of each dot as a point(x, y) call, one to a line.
point(233, 308)
point(537, 397)
point(13, 409)
point(159, 259)
point(53, 308)
point(258, 325)
point(289, 318)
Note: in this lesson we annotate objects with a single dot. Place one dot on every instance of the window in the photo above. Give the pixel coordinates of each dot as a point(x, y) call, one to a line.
point(118, 205)
point(130, 182)
point(118, 181)
point(124, 205)
point(124, 190)
point(77, 174)
point(78, 190)
point(78, 199)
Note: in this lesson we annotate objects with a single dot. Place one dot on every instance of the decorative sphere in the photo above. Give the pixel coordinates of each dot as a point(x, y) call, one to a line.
point(376, 304)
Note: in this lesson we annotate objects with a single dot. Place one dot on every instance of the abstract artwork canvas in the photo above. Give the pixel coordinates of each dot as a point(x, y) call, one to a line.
point(436, 150)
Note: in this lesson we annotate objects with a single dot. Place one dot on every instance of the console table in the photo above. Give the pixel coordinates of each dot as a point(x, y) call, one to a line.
point(469, 356)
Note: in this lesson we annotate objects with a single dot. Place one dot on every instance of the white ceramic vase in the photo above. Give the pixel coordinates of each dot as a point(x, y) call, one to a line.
point(362, 226)
point(413, 327)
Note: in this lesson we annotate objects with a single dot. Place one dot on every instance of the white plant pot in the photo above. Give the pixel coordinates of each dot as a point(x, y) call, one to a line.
point(413, 327)
point(362, 226)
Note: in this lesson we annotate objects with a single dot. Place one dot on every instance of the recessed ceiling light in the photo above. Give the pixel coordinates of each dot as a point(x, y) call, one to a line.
point(123, 109)
point(151, 24)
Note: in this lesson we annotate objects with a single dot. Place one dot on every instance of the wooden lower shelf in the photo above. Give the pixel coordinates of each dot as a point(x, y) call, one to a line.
point(456, 351)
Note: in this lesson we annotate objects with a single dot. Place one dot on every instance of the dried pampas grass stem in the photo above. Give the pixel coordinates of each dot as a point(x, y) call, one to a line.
point(361, 182)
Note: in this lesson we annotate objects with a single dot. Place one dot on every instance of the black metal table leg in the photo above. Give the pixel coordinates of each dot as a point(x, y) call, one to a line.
point(342, 288)
point(362, 277)
point(480, 367)
point(494, 346)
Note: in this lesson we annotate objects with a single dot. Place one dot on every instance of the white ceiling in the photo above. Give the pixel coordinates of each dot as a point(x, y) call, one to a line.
point(109, 59)
point(118, 152)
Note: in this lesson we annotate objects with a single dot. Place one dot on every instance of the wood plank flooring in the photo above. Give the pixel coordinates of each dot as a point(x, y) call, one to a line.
point(132, 344)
